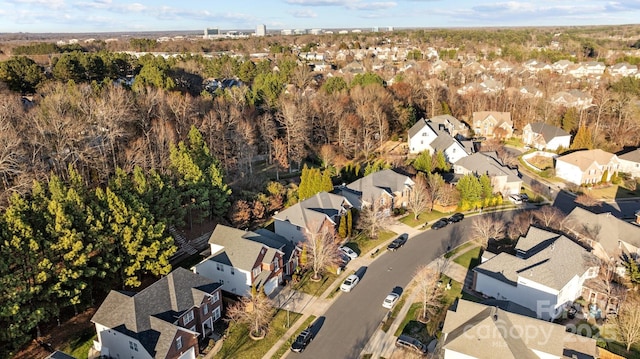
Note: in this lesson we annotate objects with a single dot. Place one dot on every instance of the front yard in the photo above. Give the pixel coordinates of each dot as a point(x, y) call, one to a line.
point(423, 217)
point(611, 192)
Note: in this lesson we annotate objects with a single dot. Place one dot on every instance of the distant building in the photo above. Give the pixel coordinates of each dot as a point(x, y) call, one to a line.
point(261, 30)
point(286, 32)
point(211, 32)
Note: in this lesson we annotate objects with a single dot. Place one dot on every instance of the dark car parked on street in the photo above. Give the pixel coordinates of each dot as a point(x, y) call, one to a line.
point(304, 338)
point(456, 217)
point(441, 223)
point(398, 242)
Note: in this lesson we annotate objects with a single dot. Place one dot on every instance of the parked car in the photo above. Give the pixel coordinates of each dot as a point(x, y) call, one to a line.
point(398, 242)
point(302, 340)
point(348, 251)
point(349, 283)
point(390, 300)
point(441, 223)
point(413, 344)
point(524, 197)
point(515, 199)
point(455, 218)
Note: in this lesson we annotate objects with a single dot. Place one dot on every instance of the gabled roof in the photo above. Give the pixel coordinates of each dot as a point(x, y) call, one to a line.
point(584, 159)
point(149, 315)
point(552, 262)
point(604, 227)
point(241, 248)
point(548, 132)
point(501, 117)
point(487, 163)
point(418, 126)
point(480, 331)
point(312, 212)
point(632, 156)
point(444, 119)
point(377, 183)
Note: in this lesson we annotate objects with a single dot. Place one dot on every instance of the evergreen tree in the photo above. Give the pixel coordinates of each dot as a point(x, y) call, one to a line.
point(605, 176)
point(424, 162)
point(441, 163)
point(349, 222)
point(470, 191)
point(583, 139)
point(487, 188)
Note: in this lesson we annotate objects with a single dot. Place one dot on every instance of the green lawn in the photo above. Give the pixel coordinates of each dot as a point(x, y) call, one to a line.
point(238, 345)
point(79, 346)
point(423, 217)
point(612, 192)
point(362, 244)
point(394, 313)
point(470, 258)
point(459, 249)
point(306, 285)
point(285, 347)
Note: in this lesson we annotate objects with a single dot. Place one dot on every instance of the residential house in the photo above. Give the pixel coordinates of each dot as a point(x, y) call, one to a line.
point(501, 67)
point(59, 355)
point(438, 67)
point(530, 92)
point(311, 216)
point(455, 127)
point(587, 167)
point(608, 236)
point(546, 274)
point(572, 98)
point(387, 188)
point(504, 180)
point(543, 136)
point(562, 66)
point(164, 320)
point(477, 331)
point(425, 135)
point(630, 162)
point(492, 124)
point(240, 260)
point(623, 69)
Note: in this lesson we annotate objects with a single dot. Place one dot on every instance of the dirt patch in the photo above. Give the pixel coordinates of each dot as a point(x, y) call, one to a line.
point(58, 336)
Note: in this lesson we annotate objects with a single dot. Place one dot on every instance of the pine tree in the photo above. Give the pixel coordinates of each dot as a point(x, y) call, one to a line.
point(605, 176)
point(424, 162)
point(349, 223)
point(583, 139)
point(342, 227)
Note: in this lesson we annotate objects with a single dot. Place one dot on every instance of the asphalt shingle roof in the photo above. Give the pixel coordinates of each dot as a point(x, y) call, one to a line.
point(375, 184)
point(584, 159)
point(547, 132)
point(604, 227)
point(487, 163)
point(312, 212)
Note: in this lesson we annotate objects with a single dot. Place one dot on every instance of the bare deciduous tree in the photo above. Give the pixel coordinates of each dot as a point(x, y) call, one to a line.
point(519, 225)
point(372, 219)
point(429, 292)
point(549, 216)
point(587, 200)
point(487, 227)
point(420, 197)
point(628, 321)
point(322, 251)
point(254, 311)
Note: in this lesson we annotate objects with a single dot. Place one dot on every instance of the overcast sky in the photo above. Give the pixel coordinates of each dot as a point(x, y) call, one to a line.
point(117, 15)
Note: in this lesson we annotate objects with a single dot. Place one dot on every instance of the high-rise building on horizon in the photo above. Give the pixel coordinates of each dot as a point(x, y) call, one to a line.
point(211, 32)
point(261, 30)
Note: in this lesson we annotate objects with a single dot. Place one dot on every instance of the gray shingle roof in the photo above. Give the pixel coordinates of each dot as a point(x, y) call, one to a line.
point(149, 314)
point(238, 252)
point(417, 127)
point(547, 132)
point(553, 263)
point(633, 156)
point(312, 212)
point(606, 228)
point(487, 163)
point(378, 183)
point(489, 332)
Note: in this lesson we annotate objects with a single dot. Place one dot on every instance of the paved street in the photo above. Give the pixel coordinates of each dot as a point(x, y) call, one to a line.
point(353, 317)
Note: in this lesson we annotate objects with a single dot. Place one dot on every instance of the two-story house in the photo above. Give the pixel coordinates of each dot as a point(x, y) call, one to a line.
point(504, 180)
point(547, 273)
point(477, 331)
point(492, 124)
point(425, 135)
point(587, 167)
point(164, 320)
point(544, 136)
point(630, 162)
point(311, 216)
point(240, 260)
point(386, 188)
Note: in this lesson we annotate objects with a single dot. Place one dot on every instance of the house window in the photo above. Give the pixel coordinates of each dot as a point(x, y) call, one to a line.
point(188, 317)
point(216, 296)
point(220, 267)
point(256, 271)
point(133, 346)
point(276, 264)
point(221, 281)
point(216, 313)
point(205, 309)
point(179, 343)
point(233, 271)
point(424, 134)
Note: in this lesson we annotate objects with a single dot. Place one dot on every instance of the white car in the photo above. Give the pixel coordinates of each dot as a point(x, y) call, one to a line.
point(348, 251)
point(390, 300)
point(349, 283)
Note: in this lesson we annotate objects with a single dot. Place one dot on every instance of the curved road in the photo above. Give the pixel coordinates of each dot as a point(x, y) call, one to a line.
point(353, 317)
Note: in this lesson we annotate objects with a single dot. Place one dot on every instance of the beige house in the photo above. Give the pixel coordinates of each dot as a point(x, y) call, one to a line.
point(587, 167)
point(493, 124)
point(504, 180)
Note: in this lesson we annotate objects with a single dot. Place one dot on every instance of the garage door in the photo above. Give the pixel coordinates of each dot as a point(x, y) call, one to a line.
point(270, 285)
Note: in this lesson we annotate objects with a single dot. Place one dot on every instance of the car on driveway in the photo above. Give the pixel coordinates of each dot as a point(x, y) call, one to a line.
point(441, 223)
point(390, 300)
point(302, 340)
point(398, 242)
point(524, 197)
point(348, 251)
point(456, 217)
point(412, 344)
point(349, 283)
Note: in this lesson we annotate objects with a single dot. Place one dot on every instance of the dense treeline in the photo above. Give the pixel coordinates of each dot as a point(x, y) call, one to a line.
point(95, 171)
